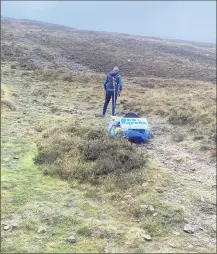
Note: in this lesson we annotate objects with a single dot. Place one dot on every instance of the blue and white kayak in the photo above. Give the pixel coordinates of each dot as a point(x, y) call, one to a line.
point(131, 126)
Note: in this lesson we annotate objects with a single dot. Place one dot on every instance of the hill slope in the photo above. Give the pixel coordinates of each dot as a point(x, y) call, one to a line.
point(42, 45)
point(63, 194)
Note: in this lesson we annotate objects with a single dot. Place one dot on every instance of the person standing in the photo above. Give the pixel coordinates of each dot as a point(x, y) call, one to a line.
point(113, 88)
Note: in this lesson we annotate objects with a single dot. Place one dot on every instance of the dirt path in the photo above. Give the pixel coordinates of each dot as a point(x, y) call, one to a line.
point(196, 178)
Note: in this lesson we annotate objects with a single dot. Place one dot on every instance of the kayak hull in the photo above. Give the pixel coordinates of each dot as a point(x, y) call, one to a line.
point(123, 126)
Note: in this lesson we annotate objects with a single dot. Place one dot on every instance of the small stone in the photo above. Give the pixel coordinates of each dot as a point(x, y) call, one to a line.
point(214, 227)
point(36, 204)
point(193, 169)
point(16, 157)
point(186, 220)
point(146, 237)
point(41, 230)
point(154, 214)
point(189, 229)
point(72, 239)
point(14, 226)
point(150, 209)
point(127, 197)
point(213, 240)
point(202, 199)
point(30, 132)
point(159, 190)
point(179, 159)
point(70, 204)
point(144, 184)
point(144, 206)
point(6, 227)
point(176, 233)
point(190, 246)
point(174, 245)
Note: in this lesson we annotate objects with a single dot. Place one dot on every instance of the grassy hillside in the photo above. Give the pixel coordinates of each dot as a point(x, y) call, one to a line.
point(67, 187)
point(42, 45)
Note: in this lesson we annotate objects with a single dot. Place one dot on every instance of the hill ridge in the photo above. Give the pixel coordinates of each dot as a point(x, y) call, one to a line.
point(39, 44)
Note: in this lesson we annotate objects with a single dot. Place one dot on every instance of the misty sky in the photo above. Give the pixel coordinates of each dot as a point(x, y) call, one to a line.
point(185, 20)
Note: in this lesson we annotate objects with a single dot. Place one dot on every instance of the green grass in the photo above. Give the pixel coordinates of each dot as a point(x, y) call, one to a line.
point(37, 200)
point(109, 215)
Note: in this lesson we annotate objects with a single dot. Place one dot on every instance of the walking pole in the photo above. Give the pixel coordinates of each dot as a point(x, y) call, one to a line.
point(114, 95)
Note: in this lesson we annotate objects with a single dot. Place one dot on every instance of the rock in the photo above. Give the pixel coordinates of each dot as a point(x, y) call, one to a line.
point(146, 237)
point(190, 246)
point(127, 197)
point(42, 230)
point(179, 159)
point(193, 169)
point(6, 227)
point(213, 240)
point(144, 206)
point(186, 220)
point(16, 157)
point(70, 204)
point(159, 190)
point(144, 184)
point(14, 226)
point(189, 229)
point(176, 233)
point(91, 108)
point(150, 209)
point(214, 227)
point(174, 245)
point(154, 214)
point(72, 239)
point(30, 132)
point(36, 204)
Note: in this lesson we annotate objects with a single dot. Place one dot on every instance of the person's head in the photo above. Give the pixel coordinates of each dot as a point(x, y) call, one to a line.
point(115, 69)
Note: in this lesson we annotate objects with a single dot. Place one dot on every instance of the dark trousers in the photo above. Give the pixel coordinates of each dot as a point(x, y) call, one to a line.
point(108, 97)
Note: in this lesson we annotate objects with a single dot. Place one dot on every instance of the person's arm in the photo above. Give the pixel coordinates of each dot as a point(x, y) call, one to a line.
point(105, 82)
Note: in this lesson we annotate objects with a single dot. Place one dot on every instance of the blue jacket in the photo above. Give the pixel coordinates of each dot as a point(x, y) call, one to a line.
point(107, 79)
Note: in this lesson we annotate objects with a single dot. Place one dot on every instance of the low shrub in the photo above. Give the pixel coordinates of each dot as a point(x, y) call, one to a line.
point(87, 155)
